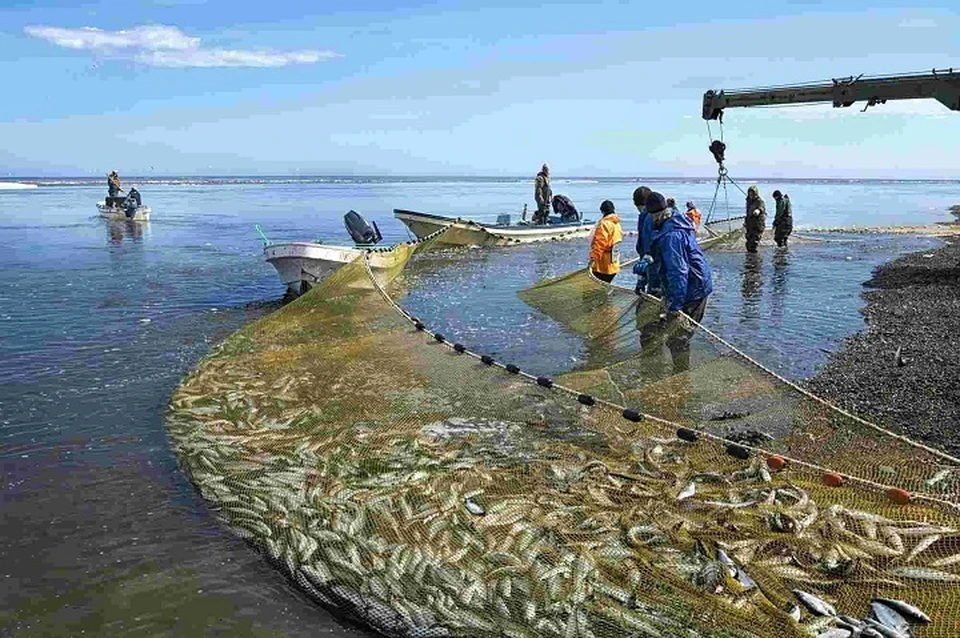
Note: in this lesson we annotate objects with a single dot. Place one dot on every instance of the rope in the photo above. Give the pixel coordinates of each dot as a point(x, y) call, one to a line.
point(800, 389)
point(549, 383)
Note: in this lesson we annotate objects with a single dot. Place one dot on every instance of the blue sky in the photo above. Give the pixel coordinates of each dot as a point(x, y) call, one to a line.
point(468, 88)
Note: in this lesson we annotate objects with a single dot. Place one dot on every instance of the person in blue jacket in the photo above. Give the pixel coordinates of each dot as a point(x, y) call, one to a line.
point(685, 275)
point(648, 280)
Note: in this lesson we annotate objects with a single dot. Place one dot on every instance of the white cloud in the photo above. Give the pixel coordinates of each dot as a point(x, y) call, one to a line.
point(153, 37)
point(209, 58)
point(166, 46)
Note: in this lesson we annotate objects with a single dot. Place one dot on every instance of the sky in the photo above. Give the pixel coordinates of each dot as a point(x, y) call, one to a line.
point(210, 87)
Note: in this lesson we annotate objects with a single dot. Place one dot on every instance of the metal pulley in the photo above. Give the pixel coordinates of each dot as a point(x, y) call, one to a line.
point(718, 148)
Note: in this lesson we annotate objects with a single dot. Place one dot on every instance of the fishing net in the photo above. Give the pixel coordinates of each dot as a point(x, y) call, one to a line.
point(428, 490)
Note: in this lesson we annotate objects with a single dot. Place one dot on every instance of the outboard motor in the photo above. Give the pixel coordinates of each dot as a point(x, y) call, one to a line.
point(361, 232)
point(564, 207)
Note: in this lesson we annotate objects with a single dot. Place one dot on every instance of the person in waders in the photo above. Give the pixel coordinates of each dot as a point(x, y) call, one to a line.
point(684, 274)
point(755, 220)
point(605, 246)
point(543, 195)
point(648, 280)
point(783, 220)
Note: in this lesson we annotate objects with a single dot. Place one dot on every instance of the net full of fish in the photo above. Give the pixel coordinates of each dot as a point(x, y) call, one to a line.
point(428, 494)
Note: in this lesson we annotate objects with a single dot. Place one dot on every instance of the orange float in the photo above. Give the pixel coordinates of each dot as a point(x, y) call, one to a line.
point(776, 462)
point(832, 479)
point(898, 496)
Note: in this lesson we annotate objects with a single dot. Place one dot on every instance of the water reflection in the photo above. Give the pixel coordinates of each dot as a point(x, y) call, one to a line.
point(131, 230)
point(781, 269)
point(751, 286)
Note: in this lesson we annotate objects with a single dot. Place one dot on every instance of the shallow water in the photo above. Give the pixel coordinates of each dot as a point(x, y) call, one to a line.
point(99, 322)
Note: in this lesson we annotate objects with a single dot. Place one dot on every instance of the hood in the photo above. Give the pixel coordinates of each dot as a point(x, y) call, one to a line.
point(676, 222)
point(613, 217)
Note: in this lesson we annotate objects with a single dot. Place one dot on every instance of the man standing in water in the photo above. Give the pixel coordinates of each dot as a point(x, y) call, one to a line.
point(605, 247)
point(756, 219)
point(783, 220)
point(543, 194)
point(648, 280)
point(684, 273)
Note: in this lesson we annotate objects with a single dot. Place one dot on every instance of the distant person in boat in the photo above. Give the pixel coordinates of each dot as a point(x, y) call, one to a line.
point(543, 194)
point(564, 207)
point(783, 220)
point(684, 272)
point(113, 184)
point(648, 279)
point(132, 202)
point(693, 215)
point(756, 219)
point(605, 246)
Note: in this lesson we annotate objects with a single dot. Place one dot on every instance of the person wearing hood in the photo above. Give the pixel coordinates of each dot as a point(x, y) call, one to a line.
point(648, 280)
point(605, 246)
point(684, 272)
point(756, 219)
point(693, 215)
point(543, 194)
point(783, 220)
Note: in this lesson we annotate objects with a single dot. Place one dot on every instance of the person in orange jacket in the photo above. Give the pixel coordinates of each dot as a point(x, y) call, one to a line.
point(693, 215)
point(605, 246)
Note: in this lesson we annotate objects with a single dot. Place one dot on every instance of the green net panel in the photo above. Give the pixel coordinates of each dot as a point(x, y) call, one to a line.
point(402, 479)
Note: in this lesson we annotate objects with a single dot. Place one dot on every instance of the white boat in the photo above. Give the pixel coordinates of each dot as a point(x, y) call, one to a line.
point(302, 265)
point(463, 232)
point(117, 213)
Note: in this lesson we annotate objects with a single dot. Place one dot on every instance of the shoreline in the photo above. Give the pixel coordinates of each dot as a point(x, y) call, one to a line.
point(938, 229)
point(902, 370)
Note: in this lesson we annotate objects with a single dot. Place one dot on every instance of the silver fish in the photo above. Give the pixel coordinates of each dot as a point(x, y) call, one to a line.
point(473, 507)
point(888, 617)
point(908, 611)
point(814, 604)
point(883, 630)
point(835, 633)
point(687, 492)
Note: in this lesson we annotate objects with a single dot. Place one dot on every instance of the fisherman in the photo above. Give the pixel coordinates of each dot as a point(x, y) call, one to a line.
point(542, 194)
point(564, 207)
point(755, 220)
point(113, 184)
point(132, 202)
point(648, 280)
point(783, 220)
point(684, 272)
point(693, 215)
point(605, 246)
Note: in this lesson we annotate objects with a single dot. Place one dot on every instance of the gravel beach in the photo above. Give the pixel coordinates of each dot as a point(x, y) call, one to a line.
point(903, 370)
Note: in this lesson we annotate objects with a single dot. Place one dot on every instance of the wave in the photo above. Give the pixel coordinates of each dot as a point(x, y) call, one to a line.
point(15, 186)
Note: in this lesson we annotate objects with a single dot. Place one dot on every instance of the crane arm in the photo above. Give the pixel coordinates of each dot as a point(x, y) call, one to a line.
point(942, 85)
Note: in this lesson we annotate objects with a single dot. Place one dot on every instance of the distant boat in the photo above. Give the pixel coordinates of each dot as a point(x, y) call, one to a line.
point(117, 213)
point(464, 232)
point(15, 186)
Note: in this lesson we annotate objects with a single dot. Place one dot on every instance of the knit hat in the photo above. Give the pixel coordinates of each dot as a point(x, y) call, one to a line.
point(607, 207)
point(691, 205)
point(656, 203)
point(640, 195)
point(777, 194)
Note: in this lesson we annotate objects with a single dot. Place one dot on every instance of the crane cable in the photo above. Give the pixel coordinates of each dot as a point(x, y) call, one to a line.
point(717, 148)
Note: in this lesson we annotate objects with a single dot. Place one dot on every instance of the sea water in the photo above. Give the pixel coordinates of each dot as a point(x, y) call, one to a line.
point(100, 320)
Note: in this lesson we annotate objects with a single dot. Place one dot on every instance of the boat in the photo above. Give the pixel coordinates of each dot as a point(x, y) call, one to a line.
point(464, 232)
point(302, 265)
point(118, 208)
point(115, 213)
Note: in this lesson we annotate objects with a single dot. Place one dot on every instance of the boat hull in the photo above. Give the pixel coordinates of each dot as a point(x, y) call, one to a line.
point(118, 214)
point(302, 265)
point(461, 232)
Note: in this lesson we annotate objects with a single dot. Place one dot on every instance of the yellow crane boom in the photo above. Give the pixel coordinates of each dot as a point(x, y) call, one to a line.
point(942, 85)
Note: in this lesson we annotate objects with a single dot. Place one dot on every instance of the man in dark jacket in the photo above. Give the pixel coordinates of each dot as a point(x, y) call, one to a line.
point(756, 219)
point(648, 280)
point(783, 220)
point(564, 207)
point(543, 195)
point(684, 274)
